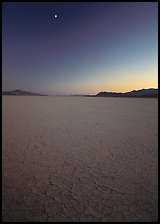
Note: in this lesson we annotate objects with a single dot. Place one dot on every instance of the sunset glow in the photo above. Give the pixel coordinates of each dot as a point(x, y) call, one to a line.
point(104, 47)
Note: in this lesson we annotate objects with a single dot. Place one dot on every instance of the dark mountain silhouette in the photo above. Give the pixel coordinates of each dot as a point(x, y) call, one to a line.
point(143, 92)
point(135, 93)
point(21, 93)
point(109, 94)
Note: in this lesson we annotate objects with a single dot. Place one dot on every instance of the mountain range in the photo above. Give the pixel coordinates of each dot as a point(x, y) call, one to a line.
point(21, 93)
point(135, 93)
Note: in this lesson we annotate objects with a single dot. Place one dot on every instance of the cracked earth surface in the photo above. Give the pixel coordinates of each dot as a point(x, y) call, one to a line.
point(79, 159)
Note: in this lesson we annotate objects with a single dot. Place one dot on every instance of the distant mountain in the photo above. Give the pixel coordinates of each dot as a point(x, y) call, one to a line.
point(109, 94)
point(135, 93)
point(21, 93)
point(143, 92)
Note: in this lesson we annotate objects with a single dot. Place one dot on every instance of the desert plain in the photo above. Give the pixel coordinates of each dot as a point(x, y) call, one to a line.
point(79, 159)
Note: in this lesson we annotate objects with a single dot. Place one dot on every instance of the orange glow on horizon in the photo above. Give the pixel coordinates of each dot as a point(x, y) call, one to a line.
point(123, 83)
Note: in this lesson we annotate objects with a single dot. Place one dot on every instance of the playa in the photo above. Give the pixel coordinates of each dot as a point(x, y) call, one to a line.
point(79, 159)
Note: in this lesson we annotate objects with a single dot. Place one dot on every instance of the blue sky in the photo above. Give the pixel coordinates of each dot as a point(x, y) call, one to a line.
point(89, 47)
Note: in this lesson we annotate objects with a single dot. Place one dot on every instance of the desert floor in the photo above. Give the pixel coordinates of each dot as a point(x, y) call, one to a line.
point(79, 159)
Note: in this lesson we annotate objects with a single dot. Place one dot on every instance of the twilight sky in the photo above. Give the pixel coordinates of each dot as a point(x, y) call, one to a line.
point(88, 48)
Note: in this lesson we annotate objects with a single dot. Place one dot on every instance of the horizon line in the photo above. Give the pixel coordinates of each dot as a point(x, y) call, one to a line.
point(76, 94)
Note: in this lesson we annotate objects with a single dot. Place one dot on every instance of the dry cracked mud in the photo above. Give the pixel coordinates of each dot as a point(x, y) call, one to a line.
point(79, 159)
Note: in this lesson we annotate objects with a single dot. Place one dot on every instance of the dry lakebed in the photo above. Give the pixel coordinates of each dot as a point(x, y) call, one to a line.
point(79, 159)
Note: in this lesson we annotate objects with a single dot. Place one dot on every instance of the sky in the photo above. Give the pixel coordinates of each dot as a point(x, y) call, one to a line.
point(88, 48)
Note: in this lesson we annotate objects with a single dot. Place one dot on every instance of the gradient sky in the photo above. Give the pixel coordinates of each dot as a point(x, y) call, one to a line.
point(88, 48)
